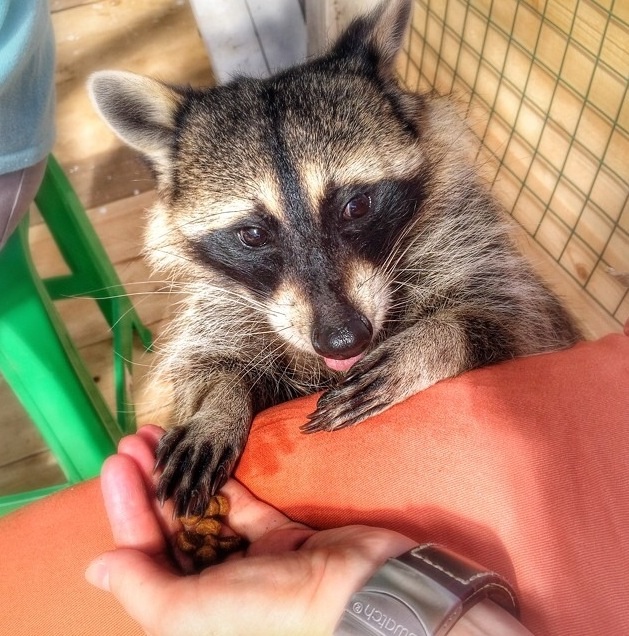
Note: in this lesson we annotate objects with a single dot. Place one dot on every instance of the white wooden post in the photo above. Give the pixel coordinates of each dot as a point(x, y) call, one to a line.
point(325, 19)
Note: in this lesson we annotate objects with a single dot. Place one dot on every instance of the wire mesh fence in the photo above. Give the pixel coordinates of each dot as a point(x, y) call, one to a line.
point(545, 86)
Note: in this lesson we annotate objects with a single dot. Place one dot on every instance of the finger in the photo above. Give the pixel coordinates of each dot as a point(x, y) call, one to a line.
point(142, 452)
point(139, 583)
point(132, 517)
point(152, 434)
point(141, 448)
point(251, 518)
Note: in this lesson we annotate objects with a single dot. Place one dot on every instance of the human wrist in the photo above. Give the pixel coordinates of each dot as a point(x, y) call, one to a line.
point(352, 555)
point(488, 619)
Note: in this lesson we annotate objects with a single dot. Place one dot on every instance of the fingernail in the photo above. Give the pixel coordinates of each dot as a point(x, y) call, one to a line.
point(97, 573)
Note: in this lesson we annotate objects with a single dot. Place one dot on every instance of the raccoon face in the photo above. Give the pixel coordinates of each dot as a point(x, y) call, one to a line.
point(296, 189)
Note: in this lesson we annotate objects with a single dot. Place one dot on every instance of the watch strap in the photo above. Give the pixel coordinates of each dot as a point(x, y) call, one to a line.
point(423, 592)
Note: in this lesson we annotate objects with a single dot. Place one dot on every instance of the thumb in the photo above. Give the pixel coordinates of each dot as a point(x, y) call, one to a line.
point(138, 582)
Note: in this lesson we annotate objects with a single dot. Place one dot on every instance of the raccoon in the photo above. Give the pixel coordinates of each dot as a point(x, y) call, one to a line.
point(334, 236)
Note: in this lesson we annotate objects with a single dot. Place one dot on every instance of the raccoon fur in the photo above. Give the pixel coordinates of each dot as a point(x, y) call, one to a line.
point(334, 236)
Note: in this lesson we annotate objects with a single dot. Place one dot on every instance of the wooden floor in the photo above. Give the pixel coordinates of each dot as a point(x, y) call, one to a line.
point(159, 38)
point(144, 36)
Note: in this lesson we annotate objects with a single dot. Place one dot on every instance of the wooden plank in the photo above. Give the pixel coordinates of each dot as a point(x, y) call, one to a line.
point(36, 471)
point(118, 173)
point(22, 438)
point(64, 5)
point(152, 37)
point(119, 225)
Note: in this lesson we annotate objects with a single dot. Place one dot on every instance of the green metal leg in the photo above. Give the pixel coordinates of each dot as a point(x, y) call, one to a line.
point(41, 365)
point(9, 503)
point(37, 356)
point(92, 275)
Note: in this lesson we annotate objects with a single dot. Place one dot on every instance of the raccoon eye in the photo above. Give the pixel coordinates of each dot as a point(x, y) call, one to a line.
point(253, 236)
point(357, 207)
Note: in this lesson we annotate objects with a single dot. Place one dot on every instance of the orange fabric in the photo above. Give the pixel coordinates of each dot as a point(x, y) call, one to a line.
point(521, 466)
point(45, 549)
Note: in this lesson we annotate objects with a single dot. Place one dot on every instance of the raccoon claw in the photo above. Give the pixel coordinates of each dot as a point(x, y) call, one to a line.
point(335, 419)
point(349, 404)
point(365, 392)
point(192, 470)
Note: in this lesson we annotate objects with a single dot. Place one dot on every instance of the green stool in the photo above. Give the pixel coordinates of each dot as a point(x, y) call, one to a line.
point(37, 356)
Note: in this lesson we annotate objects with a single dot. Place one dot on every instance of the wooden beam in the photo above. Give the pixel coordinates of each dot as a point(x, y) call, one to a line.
point(251, 37)
point(326, 19)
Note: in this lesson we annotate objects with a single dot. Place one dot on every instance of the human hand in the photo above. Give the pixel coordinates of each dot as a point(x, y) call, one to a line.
point(291, 579)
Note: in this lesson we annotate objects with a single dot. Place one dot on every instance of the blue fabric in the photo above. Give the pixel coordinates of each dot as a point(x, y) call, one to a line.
point(27, 100)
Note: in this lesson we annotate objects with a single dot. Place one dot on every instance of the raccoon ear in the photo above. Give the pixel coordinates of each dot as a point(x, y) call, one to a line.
point(377, 37)
point(140, 110)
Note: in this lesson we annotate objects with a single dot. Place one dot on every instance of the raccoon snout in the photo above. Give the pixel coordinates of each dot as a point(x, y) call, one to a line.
point(343, 342)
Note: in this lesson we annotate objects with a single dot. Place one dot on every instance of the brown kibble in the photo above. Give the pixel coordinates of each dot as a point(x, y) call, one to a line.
point(211, 540)
point(188, 542)
point(190, 520)
point(218, 507)
point(205, 555)
point(201, 535)
point(230, 544)
point(223, 505)
point(208, 526)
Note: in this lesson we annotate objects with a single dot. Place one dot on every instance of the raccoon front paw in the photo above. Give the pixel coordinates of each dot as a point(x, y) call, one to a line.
point(370, 388)
point(194, 467)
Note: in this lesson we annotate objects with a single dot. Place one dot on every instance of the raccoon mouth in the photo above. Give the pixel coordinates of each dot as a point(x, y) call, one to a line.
point(342, 365)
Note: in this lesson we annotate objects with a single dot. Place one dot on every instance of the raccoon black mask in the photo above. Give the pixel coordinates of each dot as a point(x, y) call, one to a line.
point(333, 235)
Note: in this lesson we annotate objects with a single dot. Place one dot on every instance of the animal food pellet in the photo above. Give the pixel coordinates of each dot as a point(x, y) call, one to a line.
point(201, 535)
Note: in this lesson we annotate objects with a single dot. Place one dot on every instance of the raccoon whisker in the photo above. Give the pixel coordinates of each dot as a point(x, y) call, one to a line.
point(265, 358)
point(396, 254)
point(131, 309)
point(133, 363)
point(261, 361)
point(245, 301)
point(175, 255)
point(265, 309)
point(419, 292)
point(94, 293)
point(177, 227)
point(202, 219)
point(150, 281)
point(258, 301)
point(386, 271)
point(148, 292)
point(310, 380)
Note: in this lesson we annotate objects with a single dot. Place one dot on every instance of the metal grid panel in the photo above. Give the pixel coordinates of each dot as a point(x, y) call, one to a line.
point(545, 85)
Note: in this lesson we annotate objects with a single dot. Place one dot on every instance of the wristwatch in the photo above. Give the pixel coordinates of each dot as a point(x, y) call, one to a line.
point(423, 592)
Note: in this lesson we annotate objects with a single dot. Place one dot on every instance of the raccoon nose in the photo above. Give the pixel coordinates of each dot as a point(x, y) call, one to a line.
point(346, 341)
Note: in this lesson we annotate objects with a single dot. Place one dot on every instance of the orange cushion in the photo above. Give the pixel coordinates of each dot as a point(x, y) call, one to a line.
point(45, 549)
point(521, 466)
